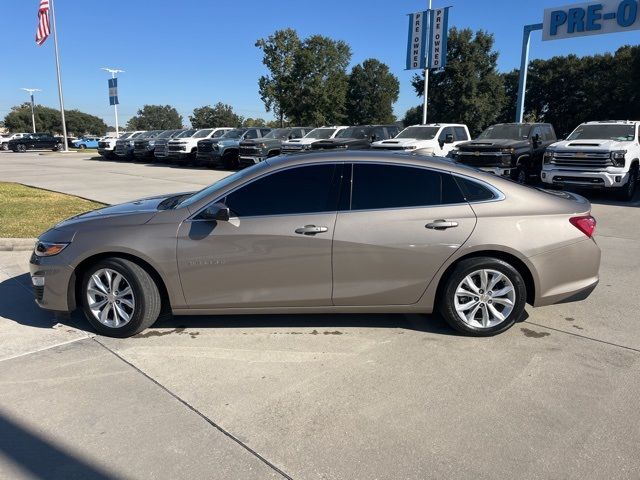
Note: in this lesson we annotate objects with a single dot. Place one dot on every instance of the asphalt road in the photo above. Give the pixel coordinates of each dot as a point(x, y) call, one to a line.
point(317, 397)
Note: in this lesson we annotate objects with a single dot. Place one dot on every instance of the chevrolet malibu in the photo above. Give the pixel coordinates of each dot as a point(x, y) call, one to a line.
point(348, 232)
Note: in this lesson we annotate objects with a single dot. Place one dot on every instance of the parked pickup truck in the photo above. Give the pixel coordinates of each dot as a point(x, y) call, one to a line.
point(432, 139)
point(35, 141)
point(224, 150)
point(596, 155)
point(107, 145)
point(183, 148)
point(5, 139)
point(143, 148)
point(298, 145)
point(509, 149)
point(257, 150)
point(357, 138)
point(124, 147)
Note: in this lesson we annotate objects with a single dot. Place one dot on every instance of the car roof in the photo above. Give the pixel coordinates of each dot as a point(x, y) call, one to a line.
point(601, 122)
point(439, 125)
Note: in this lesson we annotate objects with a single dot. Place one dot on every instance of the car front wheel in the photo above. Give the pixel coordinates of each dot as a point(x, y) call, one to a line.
point(120, 298)
point(627, 192)
point(22, 148)
point(4, 147)
point(483, 296)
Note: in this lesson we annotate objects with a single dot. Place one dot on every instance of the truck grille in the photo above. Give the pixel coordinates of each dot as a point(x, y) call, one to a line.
point(38, 292)
point(160, 150)
point(104, 145)
point(121, 149)
point(205, 147)
point(590, 160)
point(483, 158)
point(176, 148)
point(140, 145)
point(246, 150)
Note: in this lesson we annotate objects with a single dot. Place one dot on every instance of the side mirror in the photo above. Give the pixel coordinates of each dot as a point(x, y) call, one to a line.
point(218, 212)
point(448, 138)
point(374, 137)
point(536, 139)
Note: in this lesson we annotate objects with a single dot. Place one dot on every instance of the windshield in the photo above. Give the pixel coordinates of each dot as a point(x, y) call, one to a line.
point(203, 133)
point(419, 133)
point(355, 132)
point(278, 133)
point(166, 134)
point(234, 133)
point(508, 132)
point(320, 133)
point(220, 184)
point(187, 133)
point(136, 135)
point(619, 133)
point(124, 135)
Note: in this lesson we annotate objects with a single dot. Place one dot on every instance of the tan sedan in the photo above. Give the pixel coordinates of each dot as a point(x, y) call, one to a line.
point(353, 232)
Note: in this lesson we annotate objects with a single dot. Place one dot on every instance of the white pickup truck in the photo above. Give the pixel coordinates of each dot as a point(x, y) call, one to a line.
point(5, 139)
point(297, 145)
point(602, 155)
point(184, 147)
point(432, 139)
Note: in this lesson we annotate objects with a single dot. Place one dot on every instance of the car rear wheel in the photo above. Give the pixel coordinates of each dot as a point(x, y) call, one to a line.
point(483, 296)
point(59, 147)
point(22, 148)
point(120, 298)
point(82, 146)
point(4, 147)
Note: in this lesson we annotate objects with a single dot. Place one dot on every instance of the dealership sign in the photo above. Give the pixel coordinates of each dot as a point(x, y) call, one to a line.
point(113, 91)
point(593, 18)
point(427, 42)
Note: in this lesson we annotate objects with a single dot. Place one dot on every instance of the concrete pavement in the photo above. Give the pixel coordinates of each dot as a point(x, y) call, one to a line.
point(325, 396)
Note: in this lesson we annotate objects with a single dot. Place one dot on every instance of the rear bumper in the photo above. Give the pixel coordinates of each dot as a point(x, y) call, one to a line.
point(584, 179)
point(567, 274)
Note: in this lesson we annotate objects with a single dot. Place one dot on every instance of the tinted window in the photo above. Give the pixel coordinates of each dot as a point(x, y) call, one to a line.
point(460, 134)
point(393, 186)
point(218, 133)
point(309, 189)
point(264, 131)
point(444, 133)
point(379, 133)
point(251, 134)
point(474, 191)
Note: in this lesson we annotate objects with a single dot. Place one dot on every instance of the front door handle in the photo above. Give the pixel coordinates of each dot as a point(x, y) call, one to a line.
point(311, 230)
point(441, 225)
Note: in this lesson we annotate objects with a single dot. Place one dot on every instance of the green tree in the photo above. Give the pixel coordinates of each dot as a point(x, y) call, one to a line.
point(254, 122)
point(307, 81)
point(470, 90)
point(155, 117)
point(220, 115)
point(413, 116)
point(279, 52)
point(372, 91)
point(48, 120)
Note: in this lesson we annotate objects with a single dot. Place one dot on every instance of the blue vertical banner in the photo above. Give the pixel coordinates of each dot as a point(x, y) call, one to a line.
point(439, 22)
point(417, 41)
point(113, 91)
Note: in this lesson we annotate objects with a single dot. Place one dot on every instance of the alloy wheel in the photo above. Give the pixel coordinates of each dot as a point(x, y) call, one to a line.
point(110, 298)
point(484, 298)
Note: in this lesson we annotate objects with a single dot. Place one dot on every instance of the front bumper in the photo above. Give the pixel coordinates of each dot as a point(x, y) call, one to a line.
point(179, 155)
point(106, 152)
point(248, 160)
point(57, 292)
point(584, 179)
point(143, 153)
point(567, 274)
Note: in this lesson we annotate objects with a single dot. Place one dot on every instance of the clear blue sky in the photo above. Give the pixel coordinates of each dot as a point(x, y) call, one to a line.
point(190, 53)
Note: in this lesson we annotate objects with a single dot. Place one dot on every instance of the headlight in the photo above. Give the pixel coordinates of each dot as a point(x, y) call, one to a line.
point(509, 151)
point(548, 156)
point(413, 147)
point(261, 145)
point(618, 158)
point(131, 143)
point(306, 146)
point(48, 249)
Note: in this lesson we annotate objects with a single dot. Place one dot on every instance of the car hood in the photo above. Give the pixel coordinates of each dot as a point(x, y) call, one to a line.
point(607, 145)
point(494, 143)
point(266, 141)
point(403, 142)
point(229, 142)
point(341, 142)
point(137, 212)
point(300, 141)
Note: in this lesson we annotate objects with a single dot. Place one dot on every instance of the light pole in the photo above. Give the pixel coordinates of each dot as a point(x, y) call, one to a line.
point(33, 113)
point(114, 72)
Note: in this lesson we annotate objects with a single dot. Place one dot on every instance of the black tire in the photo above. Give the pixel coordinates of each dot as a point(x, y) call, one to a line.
point(230, 162)
point(520, 174)
point(4, 147)
point(627, 192)
point(82, 146)
point(59, 147)
point(21, 148)
point(446, 300)
point(148, 302)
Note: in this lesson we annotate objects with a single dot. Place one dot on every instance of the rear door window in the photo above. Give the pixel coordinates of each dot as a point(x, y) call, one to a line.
point(460, 134)
point(378, 186)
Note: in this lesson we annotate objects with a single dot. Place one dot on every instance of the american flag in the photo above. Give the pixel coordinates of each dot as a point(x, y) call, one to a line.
point(43, 22)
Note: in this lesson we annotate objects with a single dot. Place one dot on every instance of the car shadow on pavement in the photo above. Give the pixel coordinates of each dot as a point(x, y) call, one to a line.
point(40, 457)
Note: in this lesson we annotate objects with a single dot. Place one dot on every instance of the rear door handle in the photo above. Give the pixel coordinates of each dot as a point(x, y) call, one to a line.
point(311, 230)
point(441, 225)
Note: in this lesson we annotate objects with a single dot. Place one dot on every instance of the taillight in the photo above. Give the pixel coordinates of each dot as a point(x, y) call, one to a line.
point(586, 224)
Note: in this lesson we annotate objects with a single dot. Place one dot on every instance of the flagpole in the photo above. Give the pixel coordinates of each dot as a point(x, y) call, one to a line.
point(426, 72)
point(60, 97)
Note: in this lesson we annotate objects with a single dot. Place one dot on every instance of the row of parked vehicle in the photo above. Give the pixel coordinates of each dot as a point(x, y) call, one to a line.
point(21, 142)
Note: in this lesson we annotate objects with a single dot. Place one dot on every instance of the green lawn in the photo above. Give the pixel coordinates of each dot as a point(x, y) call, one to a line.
point(26, 212)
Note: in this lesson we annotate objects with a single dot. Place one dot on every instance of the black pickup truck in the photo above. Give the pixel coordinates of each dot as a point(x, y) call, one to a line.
point(35, 141)
point(509, 149)
point(357, 138)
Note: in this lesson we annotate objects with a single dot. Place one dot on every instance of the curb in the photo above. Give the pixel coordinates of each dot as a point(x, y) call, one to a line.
point(16, 244)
